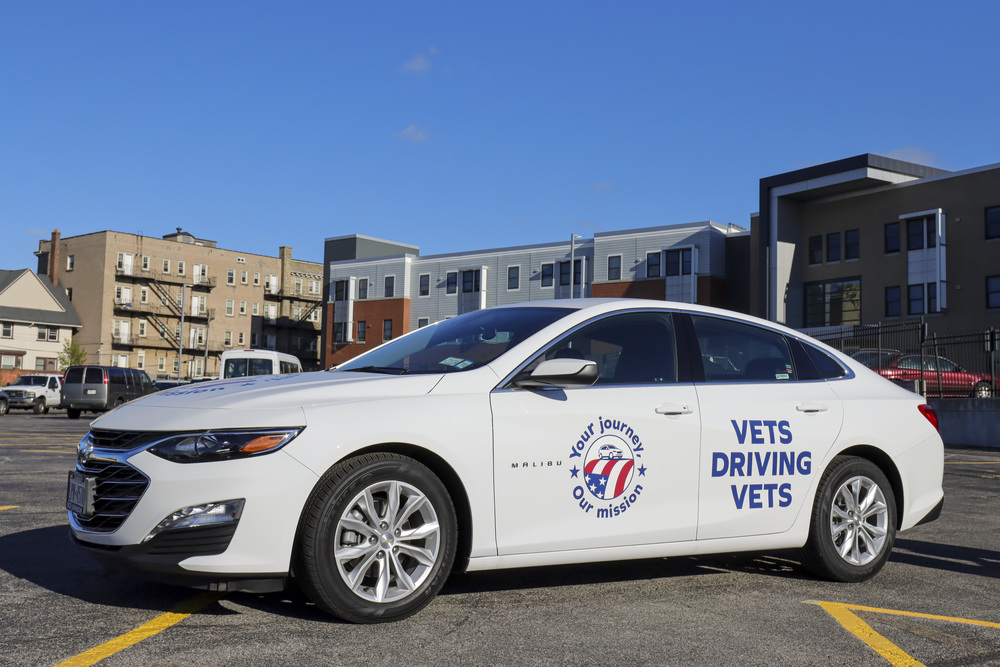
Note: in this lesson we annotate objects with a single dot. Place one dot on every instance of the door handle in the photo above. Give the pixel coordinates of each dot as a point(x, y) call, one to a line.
point(673, 409)
point(811, 407)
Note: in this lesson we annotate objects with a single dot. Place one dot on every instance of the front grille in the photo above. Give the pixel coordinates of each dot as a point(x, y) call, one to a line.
point(15, 393)
point(120, 441)
point(119, 487)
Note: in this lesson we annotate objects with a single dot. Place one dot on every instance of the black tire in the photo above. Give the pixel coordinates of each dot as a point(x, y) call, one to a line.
point(982, 390)
point(4, 407)
point(39, 406)
point(846, 545)
point(336, 516)
point(72, 413)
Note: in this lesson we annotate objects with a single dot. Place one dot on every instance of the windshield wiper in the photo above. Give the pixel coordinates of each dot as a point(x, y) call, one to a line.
point(388, 370)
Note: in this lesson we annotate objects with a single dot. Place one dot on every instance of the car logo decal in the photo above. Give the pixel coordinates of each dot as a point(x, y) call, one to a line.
point(611, 462)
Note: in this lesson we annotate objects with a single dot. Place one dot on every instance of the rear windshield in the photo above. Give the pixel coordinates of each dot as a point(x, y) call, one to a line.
point(238, 368)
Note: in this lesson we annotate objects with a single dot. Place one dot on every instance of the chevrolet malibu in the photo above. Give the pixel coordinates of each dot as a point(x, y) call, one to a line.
point(482, 442)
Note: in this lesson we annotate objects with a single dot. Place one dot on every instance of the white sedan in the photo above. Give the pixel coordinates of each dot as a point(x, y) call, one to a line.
point(483, 442)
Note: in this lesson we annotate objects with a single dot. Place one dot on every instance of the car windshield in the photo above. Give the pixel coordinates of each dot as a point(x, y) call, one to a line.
point(34, 380)
point(457, 344)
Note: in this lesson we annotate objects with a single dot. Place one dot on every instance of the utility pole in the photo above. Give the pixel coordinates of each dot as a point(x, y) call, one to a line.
point(572, 261)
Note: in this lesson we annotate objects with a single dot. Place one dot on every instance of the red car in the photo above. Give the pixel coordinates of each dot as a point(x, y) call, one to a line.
point(943, 376)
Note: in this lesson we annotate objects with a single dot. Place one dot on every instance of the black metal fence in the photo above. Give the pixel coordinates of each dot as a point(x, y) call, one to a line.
point(938, 366)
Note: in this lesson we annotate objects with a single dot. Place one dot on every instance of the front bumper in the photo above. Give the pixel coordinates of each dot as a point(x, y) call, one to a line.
point(252, 553)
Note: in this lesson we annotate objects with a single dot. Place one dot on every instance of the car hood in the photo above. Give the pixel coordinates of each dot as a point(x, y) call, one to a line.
point(267, 400)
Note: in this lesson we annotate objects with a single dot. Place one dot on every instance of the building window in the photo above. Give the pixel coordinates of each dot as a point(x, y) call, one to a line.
point(513, 278)
point(993, 222)
point(50, 334)
point(833, 247)
point(932, 306)
point(71, 262)
point(470, 281)
point(564, 274)
point(679, 262)
point(142, 328)
point(915, 299)
point(386, 329)
point(891, 237)
point(362, 289)
point(228, 340)
point(340, 332)
point(852, 244)
point(362, 330)
point(229, 307)
point(993, 291)
point(340, 290)
point(10, 361)
point(231, 276)
point(815, 249)
point(451, 281)
point(241, 338)
point(256, 278)
point(425, 284)
point(254, 339)
point(180, 268)
point(915, 234)
point(653, 264)
point(833, 303)
point(256, 308)
point(615, 267)
point(243, 307)
point(892, 303)
point(547, 275)
point(243, 277)
point(298, 285)
point(390, 287)
point(145, 262)
point(6, 330)
point(166, 266)
point(422, 322)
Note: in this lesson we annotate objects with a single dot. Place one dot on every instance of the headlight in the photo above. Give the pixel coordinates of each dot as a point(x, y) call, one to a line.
point(222, 445)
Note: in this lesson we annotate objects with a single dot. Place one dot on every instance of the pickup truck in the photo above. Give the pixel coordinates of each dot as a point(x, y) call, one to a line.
point(36, 392)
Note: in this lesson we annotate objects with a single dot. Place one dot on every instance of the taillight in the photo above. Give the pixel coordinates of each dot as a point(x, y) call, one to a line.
point(928, 411)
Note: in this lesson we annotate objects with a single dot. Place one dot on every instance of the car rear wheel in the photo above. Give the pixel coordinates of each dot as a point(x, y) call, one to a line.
point(377, 539)
point(982, 390)
point(853, 521)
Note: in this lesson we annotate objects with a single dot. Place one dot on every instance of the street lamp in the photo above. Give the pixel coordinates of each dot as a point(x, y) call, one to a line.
point(180, 349)
point(572, 261)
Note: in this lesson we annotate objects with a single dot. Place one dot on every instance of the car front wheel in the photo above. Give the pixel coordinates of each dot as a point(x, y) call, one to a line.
point(982, 390)
point(39, 407)
point(377, 539)
point(3, 408)
point(853, 521)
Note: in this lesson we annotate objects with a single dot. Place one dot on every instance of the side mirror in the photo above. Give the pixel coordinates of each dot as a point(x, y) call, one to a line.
point(562, 373)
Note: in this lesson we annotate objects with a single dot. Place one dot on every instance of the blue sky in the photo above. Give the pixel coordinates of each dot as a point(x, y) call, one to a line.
point(463, 125)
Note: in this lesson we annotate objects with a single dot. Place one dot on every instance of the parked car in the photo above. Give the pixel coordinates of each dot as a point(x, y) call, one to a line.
point(475, 443)
point(36, 392)
point(4, 404)
point(170, 384)
point(943, 377)
point(101, 388)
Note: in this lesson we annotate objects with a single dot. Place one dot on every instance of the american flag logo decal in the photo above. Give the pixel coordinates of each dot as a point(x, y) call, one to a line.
point(608, 467)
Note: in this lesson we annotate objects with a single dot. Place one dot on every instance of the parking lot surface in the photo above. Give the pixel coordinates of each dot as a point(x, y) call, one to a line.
point(937, 602)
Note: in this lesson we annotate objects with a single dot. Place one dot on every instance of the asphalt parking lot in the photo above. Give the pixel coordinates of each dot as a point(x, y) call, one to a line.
point(936, 603)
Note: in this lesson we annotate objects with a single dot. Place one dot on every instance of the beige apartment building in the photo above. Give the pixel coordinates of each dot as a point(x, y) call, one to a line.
point(172, 305)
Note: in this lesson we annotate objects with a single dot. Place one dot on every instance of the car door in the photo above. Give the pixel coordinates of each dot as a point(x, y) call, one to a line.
point(606, 465)
point(765, 428)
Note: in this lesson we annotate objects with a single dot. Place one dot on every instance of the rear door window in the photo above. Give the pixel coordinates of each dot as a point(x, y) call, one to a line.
point(734, 351)
point(94, 376)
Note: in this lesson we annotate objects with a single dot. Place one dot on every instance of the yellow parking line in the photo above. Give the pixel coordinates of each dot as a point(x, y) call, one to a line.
point(8, 507)
point(844, 614)
point(49, 451)
point(154, 627)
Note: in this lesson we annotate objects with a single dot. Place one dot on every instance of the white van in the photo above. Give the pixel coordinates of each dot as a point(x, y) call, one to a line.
point(241, 363)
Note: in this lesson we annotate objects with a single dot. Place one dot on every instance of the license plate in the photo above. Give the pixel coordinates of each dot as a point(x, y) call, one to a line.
point(91, 392)
point(80, 493)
